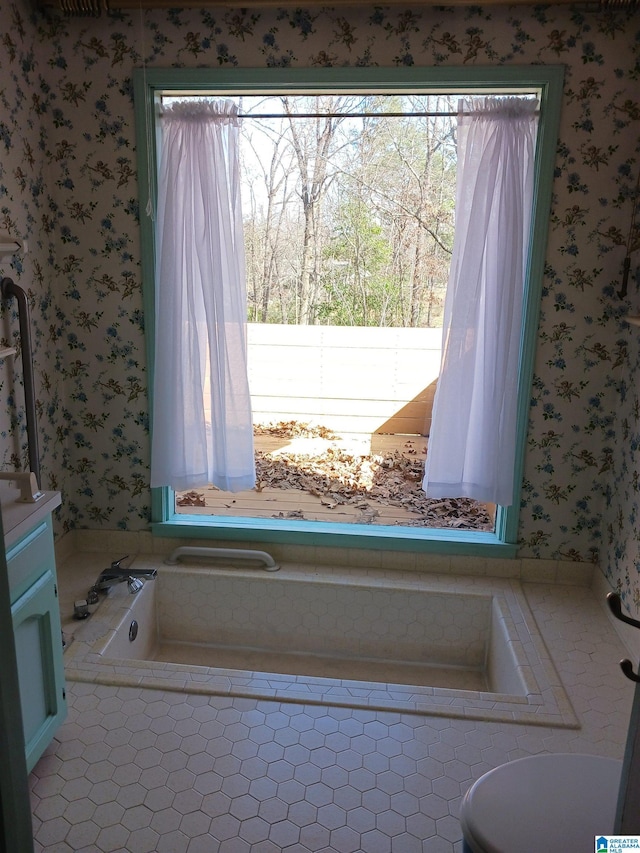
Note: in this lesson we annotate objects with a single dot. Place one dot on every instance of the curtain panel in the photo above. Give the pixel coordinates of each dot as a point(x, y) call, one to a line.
point(202, 427)
point(472, 443)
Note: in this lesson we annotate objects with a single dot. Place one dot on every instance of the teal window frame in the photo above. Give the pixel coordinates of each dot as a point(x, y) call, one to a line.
point(151, 83)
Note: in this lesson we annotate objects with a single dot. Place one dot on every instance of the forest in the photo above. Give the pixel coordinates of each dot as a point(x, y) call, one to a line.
point(348, 208)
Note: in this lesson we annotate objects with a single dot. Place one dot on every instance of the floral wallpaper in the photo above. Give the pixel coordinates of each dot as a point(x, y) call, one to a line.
point(68, 186)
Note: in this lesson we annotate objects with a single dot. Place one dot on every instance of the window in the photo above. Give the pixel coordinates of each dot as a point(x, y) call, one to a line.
point(545, 82)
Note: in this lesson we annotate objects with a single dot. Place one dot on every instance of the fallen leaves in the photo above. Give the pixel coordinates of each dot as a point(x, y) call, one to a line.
point(355, 486)
point(366, 482)
point(191, 499)
point(295, 429)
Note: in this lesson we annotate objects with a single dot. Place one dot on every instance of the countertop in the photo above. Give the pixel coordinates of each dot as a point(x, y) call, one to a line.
point(18, 517)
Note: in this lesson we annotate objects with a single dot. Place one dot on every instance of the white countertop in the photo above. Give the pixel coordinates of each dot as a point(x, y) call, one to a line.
point(18, 517)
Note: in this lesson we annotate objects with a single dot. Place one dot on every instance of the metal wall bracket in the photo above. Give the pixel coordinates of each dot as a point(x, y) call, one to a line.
point(615, 606)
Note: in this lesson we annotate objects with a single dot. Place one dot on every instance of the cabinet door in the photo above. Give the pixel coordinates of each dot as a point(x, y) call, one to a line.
point(38, 640)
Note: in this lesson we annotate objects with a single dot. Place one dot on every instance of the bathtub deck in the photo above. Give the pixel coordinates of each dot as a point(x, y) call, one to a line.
point(458, 612)
point(323, 666)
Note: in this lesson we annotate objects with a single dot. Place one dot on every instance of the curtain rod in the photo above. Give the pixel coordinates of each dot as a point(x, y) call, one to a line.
point(363, 115)
point(347, 115)
point(342, 115)
point(359, 115)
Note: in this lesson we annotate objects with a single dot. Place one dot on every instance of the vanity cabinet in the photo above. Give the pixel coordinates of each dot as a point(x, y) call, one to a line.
point(35, 613)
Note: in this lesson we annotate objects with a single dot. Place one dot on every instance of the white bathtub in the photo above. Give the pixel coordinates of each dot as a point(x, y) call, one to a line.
point(413, 643)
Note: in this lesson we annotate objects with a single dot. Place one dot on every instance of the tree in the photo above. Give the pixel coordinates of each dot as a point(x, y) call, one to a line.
point(356, 269)
point(269, 192)
point(312, 142)
point(351, 219)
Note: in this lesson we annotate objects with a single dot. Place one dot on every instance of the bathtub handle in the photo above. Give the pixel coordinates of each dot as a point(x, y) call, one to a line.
point(270, 564)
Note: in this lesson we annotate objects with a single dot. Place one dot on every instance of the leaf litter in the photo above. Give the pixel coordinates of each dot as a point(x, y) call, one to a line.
point(365, 482)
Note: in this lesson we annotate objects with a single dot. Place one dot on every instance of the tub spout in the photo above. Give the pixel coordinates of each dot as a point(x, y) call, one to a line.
point(116, 574)
point(269, 564)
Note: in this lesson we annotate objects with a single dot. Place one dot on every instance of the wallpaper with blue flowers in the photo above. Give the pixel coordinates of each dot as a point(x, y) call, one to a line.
point(68, 186)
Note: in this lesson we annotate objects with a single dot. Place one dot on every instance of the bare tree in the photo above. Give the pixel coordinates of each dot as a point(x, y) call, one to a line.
point(351, 221)
point(312, 142)
point(269, 202)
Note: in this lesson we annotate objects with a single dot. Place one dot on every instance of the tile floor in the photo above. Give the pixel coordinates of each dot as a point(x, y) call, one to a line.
point(157, 771)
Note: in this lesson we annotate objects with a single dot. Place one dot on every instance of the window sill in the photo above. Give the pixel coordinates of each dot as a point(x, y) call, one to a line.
point(331, 535)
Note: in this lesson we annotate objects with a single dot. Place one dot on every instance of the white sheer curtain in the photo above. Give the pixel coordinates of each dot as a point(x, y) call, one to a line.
point(471, 450)
point(202, 429)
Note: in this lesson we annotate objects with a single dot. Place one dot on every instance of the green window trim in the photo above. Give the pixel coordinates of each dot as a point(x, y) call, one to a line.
point(149, 84)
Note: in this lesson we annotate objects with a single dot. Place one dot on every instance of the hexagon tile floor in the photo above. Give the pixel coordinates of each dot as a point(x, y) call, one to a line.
point(146, 771)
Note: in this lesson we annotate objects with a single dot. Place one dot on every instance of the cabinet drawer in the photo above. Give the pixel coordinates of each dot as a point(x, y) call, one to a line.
point(29, 558)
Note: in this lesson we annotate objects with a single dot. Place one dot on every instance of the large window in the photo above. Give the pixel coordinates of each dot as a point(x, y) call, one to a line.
point(387, 294)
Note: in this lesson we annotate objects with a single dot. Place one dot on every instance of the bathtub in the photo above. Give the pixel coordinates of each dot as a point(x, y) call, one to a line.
point(455, 646)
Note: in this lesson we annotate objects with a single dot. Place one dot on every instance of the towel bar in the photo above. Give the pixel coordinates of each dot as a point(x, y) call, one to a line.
point(270, 564)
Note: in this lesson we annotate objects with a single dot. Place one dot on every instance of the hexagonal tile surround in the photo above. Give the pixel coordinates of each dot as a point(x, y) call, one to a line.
point(389, 624)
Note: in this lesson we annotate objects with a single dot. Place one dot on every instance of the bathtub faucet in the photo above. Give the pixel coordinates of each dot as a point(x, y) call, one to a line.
point(116, 574)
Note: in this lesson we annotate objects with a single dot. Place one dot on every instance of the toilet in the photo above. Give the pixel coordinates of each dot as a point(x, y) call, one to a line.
point(543, 802)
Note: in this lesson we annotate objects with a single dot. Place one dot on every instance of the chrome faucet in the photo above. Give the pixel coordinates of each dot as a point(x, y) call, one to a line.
point(116, 574)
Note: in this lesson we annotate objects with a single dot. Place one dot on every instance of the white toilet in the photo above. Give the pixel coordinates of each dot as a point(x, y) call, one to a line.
point(554, 803)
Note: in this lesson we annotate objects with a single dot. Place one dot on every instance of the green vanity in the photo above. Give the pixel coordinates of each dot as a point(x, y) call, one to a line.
point(35, 612)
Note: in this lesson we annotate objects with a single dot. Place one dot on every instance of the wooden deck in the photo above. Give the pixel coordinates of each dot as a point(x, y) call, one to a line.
point(270, 502)
point(374, 387)
point(319, 499)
